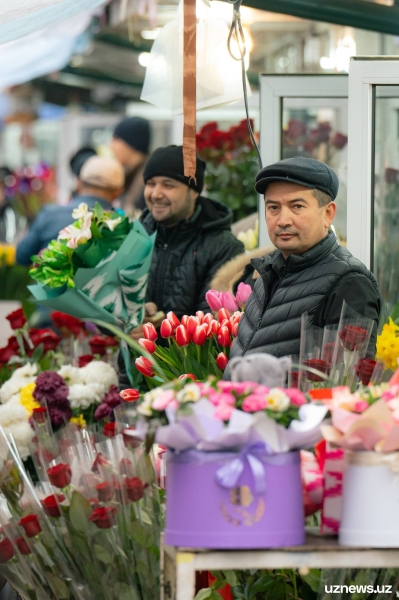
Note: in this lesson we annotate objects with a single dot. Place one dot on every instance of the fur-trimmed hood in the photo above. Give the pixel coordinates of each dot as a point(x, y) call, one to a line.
point(233, 270)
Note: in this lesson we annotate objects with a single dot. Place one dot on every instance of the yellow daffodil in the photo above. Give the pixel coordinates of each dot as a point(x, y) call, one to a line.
point(388, 345)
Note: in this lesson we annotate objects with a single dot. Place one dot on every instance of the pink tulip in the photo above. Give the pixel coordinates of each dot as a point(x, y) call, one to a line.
point(214, 300)
point(228, 301)
point(243, 293)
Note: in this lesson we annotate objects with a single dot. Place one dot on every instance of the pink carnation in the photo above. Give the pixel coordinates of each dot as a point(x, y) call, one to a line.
point(221, 398)
point(253, 403)
point(296, 397)
point(165, 400)
point(223, 412)
point(390, 394)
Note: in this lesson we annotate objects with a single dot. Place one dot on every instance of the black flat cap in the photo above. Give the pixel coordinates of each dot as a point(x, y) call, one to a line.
point(308, 172)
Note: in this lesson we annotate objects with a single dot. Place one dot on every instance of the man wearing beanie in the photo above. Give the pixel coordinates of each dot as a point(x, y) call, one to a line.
point(309, 272)
point(100, 180)
point(130, 145)
point(193, 236)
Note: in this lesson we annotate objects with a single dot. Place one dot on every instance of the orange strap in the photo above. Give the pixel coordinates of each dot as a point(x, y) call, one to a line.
point(189, 88)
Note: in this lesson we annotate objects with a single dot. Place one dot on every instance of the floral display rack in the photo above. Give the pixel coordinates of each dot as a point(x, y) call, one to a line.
point(179, 565)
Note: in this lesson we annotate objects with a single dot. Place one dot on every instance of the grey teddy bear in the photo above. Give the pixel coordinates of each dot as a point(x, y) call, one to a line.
point(265, 369)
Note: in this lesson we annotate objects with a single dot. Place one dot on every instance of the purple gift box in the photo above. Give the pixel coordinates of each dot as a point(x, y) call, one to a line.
point(234, 500)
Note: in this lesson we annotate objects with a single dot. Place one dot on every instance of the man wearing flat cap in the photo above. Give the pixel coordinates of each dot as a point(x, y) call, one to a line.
point(309, 272)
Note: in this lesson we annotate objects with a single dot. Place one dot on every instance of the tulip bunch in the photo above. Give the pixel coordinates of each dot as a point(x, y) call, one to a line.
point(218, 300)
point(91, 530)
point(197, 344)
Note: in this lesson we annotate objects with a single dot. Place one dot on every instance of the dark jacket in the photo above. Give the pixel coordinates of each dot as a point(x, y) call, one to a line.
point(187, 256)
point(316, 282)
point(47, 225)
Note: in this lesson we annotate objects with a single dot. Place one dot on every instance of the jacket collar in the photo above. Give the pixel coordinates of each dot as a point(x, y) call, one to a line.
point(297, 262)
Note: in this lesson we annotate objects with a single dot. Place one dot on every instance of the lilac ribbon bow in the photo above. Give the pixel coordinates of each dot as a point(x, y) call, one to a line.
point(229, 475)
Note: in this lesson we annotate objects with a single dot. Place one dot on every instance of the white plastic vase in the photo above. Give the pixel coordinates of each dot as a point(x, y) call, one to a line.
point(370, 500)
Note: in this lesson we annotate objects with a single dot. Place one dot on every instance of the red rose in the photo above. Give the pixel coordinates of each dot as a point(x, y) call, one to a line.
point(13, 344)
point(294, 379)
point(67, 323)
point(39, 415)
point(109, 430)
point(339, 140)
point(6, 551)
point(50, 505)
point(105, 491)
point(130, 438)
point(352, 336)
point(319, 365)
point(327, 352)
point(31, 525)
point(23, 546)
point(100, 461)
point(85, 360)
point(364, 369)
point(47, 337)
point(130, 395)
point(134, 488)
point(100, 343)
point(6, 353)
point(60, 475)
point(103, 517)
point(17, 319)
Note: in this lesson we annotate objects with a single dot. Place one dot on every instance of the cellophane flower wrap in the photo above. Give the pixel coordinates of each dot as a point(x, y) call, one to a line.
point(91, 530)
point(221, 415)
point(97, 269)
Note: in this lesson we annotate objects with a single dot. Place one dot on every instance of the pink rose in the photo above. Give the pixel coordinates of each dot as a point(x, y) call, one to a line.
point(239, 387)
point(165, 400)
point(253, 403)
point(223, 412)
point(221, 398)
point(295, 396)
point(360, 406)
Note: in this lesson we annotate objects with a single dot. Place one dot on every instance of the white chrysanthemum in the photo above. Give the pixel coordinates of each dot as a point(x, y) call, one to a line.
point(99, 372)
point(22, 433)
point(70, 374)
point(20, 378)
point(277, 400)
point(82, 396)
point(12, 412)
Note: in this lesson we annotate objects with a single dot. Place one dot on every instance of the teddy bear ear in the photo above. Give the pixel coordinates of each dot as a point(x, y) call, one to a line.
point(285, 362)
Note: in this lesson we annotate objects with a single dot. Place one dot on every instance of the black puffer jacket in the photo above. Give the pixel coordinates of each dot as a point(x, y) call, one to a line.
point(316, 282)
point(187, 256)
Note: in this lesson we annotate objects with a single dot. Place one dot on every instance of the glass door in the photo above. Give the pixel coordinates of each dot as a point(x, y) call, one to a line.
point(306, 115)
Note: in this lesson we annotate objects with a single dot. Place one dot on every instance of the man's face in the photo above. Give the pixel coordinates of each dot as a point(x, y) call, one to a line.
point(168, 200)
point(294, 220)
point(127, 156)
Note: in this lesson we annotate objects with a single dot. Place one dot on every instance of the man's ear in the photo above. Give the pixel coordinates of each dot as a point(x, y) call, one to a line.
point(329, 213)
point(193, 194)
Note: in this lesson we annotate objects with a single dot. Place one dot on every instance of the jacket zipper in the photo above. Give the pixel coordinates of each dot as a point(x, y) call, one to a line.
point(263, 312)
point(163, 264)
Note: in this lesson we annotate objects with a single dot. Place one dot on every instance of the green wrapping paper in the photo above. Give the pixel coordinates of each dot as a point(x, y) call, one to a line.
point(114, 290)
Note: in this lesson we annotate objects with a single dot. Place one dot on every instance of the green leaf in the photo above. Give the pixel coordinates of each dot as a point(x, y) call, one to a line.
point(79, 513)
point(231, 578)
point(58, 587)
point(204, 594)
point(37, 354)
point(313, 579)
point(139, 533)
point(103, 554)
point(395, 313)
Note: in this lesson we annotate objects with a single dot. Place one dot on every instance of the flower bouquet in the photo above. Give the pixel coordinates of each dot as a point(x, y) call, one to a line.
point(198, 344)
point(366, 425)
point(90, 531)
point(233, 461)
point(97, 269)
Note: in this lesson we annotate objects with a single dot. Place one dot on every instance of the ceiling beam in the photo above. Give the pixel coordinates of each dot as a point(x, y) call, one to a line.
point(354, 13)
